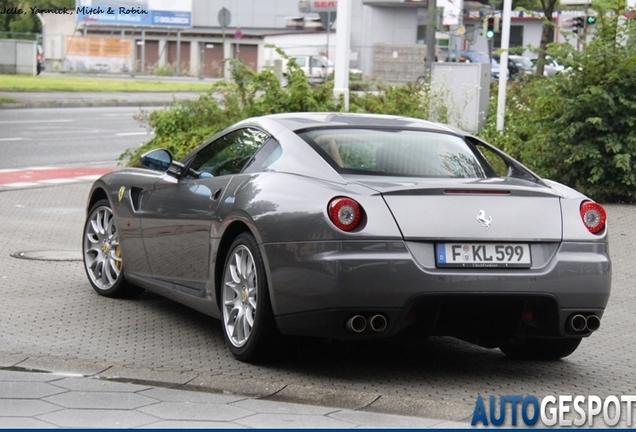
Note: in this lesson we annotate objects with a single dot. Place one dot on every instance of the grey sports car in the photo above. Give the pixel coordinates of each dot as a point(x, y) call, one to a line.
point(348, 226)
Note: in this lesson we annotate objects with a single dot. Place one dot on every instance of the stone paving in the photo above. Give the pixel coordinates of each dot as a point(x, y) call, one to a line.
point(52, 320)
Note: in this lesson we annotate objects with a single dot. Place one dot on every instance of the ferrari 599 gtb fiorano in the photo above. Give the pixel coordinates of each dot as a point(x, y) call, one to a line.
point(348, 226)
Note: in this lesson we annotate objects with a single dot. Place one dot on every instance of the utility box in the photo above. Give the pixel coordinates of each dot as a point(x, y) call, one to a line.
point(18, 57)
point(460, 94)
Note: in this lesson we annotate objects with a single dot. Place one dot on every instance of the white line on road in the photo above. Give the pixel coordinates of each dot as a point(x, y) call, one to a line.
point(132, 133)
point(37, 121)
point(11, 139)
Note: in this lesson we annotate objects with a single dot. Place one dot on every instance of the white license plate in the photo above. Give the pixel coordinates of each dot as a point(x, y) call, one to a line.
point(507, 255)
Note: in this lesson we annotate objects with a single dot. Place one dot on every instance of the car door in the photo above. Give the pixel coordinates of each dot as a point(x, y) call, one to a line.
point(178, 216)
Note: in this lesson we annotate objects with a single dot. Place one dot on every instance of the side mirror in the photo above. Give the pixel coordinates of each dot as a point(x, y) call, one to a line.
point(157, 160)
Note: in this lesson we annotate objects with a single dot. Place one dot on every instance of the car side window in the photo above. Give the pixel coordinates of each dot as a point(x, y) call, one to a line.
point(266, 156)
point(300, 61)
point(228, 154)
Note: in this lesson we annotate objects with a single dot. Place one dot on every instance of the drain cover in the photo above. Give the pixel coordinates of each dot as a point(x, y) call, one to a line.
point(49, 255)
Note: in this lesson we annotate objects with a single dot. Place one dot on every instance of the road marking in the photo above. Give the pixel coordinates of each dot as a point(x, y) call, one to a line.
point(37, 121)
point(48, 176)
point(11, 139)
point(133, 133)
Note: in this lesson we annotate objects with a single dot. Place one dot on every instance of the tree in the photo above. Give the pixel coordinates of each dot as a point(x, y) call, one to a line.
point(548, 7)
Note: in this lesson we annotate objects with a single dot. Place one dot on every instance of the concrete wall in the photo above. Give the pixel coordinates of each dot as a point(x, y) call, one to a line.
point(18, 57)
point(384, 25)
point(398, 63)
point(56, 28)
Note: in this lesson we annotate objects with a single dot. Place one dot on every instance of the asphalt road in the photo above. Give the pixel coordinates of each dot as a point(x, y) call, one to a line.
point(53, 320)
point(32, 137)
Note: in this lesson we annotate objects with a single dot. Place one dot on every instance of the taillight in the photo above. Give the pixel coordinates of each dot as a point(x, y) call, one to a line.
point(593, 216)
point(345, 213)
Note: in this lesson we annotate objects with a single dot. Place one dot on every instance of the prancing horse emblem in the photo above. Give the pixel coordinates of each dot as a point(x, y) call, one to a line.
point(485, 221)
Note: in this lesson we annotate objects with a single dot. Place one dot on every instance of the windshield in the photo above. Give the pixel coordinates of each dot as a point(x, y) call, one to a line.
point(405, 153)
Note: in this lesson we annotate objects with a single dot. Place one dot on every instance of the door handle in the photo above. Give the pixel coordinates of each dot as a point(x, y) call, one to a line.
point(215, 196)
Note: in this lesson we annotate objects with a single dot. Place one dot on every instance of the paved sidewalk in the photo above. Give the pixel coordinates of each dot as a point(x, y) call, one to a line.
point(45, 400)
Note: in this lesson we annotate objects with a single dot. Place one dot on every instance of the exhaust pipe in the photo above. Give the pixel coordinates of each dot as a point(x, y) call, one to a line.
point(577, 322)
point(378, 323)
point(356, 324)
point(593, 322)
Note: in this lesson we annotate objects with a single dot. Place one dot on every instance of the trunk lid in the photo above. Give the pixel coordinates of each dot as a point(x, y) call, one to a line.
point(483, 210)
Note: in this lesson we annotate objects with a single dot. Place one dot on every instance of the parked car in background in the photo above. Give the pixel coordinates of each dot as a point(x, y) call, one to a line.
point(354, 227)
point(552, 67)
point(465, 56)
point(318, 68)
point(518, 65)
point(495, 69)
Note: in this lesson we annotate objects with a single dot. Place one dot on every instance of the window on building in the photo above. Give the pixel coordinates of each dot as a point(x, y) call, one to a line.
point(516, 37)
point(421, 35)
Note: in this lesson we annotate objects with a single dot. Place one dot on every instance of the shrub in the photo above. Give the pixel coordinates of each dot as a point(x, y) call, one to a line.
point(578, 128)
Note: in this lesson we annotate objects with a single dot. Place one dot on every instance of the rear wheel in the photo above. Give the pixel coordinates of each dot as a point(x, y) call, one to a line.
point(248, 321)
point(541, 349)
point(102, 253)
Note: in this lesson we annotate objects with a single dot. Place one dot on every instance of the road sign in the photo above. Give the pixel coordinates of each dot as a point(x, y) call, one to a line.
point(225, 17)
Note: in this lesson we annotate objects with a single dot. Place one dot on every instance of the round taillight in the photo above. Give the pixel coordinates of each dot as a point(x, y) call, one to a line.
point(593, 216)
point(345, 213)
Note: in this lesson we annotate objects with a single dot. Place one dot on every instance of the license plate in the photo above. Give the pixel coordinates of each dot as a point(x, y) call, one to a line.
point(507, 255)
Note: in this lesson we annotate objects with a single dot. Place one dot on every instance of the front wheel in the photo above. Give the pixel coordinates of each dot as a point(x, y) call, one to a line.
point(102, 253)
point(248, 321)
point(541, 349)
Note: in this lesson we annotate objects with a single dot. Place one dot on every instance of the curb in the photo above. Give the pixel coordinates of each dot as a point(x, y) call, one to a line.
point(273, 391)
point(82, 104)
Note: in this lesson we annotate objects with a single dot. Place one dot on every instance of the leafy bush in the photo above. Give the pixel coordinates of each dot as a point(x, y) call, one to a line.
point(184, 125)
point(578, 127)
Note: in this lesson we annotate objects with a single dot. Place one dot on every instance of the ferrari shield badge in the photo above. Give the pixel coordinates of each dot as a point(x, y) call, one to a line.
point(122, 191)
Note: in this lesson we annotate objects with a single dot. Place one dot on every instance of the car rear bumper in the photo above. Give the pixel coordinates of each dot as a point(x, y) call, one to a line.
point(317, 287)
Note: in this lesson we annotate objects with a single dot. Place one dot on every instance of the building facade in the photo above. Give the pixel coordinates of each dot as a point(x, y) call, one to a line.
point(386, 33)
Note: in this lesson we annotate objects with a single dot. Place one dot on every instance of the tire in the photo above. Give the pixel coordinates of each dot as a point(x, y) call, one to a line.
point(248, 320)
point(541, 349)
point(101, 253)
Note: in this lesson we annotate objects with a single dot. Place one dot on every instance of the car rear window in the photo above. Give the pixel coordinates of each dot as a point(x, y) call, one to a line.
point(406, 153)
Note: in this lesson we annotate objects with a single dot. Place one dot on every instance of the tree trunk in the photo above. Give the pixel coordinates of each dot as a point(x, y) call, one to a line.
point(548, 9)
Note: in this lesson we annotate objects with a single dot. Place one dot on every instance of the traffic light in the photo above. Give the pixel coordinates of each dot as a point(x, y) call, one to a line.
point(591, 19)
point(490, 27)
point(578, 24)
point(490, 32)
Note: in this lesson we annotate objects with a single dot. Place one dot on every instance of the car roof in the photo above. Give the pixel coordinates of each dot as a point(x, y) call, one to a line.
point(312, 120)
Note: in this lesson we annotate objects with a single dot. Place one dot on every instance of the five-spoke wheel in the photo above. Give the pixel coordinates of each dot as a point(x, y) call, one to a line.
point(102, 253)
point(248, 322)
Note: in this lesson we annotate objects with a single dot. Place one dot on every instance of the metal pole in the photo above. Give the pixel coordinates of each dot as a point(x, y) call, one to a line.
point(201, 58)
point(343, 42)
point(503, 65)
point(430, 36)
point(143, 51)
point(178, 53)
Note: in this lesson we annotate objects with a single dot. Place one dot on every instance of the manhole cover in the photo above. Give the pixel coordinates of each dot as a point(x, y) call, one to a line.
point(49, 255)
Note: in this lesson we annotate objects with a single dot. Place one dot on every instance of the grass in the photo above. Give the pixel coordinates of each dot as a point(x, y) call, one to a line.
point(29, 83)
point(6, 100)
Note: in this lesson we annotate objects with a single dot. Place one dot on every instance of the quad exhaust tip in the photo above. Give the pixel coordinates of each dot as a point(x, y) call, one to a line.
point(378, 323)
point(579, 323)
point(358, 323)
